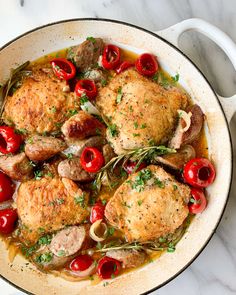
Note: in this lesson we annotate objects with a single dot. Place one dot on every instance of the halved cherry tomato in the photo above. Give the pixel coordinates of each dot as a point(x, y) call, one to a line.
point(86, 87)
point(198, 201)
point(63, 68)
point(123, 66)
point(199, 172)
point(146, 64)
point(108, 267)
point(91, 159)
point(6, 187)
point(97, 212)
point(81, 263)
point(9, 140)
point(129, 166)
point(8, 218)
point(111, 57)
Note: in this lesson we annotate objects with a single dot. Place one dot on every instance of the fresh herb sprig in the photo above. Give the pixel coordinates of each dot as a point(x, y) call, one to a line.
point(137, 155)
point(14, 82)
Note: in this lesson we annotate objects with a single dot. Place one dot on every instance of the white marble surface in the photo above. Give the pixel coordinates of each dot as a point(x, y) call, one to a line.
point(214, 271)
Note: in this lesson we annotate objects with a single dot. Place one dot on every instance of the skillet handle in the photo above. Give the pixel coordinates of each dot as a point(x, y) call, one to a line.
point(173, 33)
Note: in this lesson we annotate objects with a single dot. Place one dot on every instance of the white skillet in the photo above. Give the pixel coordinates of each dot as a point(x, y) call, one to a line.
point(52, 37)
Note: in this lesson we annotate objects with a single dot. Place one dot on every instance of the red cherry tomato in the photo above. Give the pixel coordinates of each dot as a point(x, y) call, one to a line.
point(111, 57)
point(91, 159)
point(199, 172)
point(198, 201)
point(8, 218)
point(97, 212)
point(146, 64)
point(6, 187)
point(9, 140)
point(123, 66)
point(86, 87)
point(107, 267)
point(129, 166)
point(63, 68)
point(81, 263)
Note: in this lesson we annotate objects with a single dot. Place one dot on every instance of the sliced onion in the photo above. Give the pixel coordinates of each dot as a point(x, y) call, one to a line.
point(90, 108)
point(6, 204)
point(85, 273)
point(93, 229)
point(187, 119)
point(100, 61)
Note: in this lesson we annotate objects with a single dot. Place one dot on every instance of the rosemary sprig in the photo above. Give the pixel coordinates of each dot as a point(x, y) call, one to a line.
point(137, 155)
point(15, 80)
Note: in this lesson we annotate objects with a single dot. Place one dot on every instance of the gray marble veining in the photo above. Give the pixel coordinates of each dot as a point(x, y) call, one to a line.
point(214, 271)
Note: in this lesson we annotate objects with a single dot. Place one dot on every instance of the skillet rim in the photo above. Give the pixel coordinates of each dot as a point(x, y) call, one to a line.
point(226, 122)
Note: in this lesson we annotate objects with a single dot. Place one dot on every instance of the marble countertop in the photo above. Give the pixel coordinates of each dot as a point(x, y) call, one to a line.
point(214, 271)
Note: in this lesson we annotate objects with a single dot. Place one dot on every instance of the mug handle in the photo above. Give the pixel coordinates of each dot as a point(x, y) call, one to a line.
point(173, 33)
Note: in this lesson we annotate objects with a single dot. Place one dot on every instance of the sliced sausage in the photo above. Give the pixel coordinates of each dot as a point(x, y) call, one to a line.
point(72, 169)
point(77, 147)
point(80, 126)
point(129, 258)
point(17, 166)
point(179, 159)
point(85, 55)
point(41, 148)
point(68, 241)
point(180, 138)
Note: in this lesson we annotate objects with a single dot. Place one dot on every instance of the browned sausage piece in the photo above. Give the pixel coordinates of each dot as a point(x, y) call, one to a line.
point(68, 241)
point(129, 258)
point(40, 148)
point(179, 138)
point(80, 126)
point(86, 54)
point(179, 159)
point(77, 147)
point(72, 169)
point(17, 166)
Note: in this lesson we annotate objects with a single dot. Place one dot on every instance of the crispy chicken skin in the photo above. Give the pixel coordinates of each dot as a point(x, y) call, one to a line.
point(147, 111)
point(40, 105)
point(49, 204)
point(40, 148)
point(149, 212)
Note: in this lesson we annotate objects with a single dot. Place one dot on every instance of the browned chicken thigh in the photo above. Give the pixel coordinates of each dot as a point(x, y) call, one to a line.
point(49, 204)
point(148, 205)
point(140, 111)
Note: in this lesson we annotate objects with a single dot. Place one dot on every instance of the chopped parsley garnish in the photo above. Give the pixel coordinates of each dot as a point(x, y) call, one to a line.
point(79, 200)
point(60, 201)
point(83, 99)
point(155, 77)
point(175, 78)
point(162, 240)
point(131, 109)
point(136, 134)
point(143, 126)
point(126, 205)
point(30, 140)
point(44, 258)
point(27, 252)
point(175, 187)
point(46, 240)
point(171, 248)
point(53, 109)
point(135, 125)
point(113, 130)
point(49, 174)
point(91, 39)
point(140, 202)
point(72, 112)
point(159, 183)
point(193, 201)
point(38, 174)
point(143, 176)
point(103, 82)
point(69, 155)
point(104, 202)
point(111, 231)
point(61, 253)
point(119, 95)
point(21, 131)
